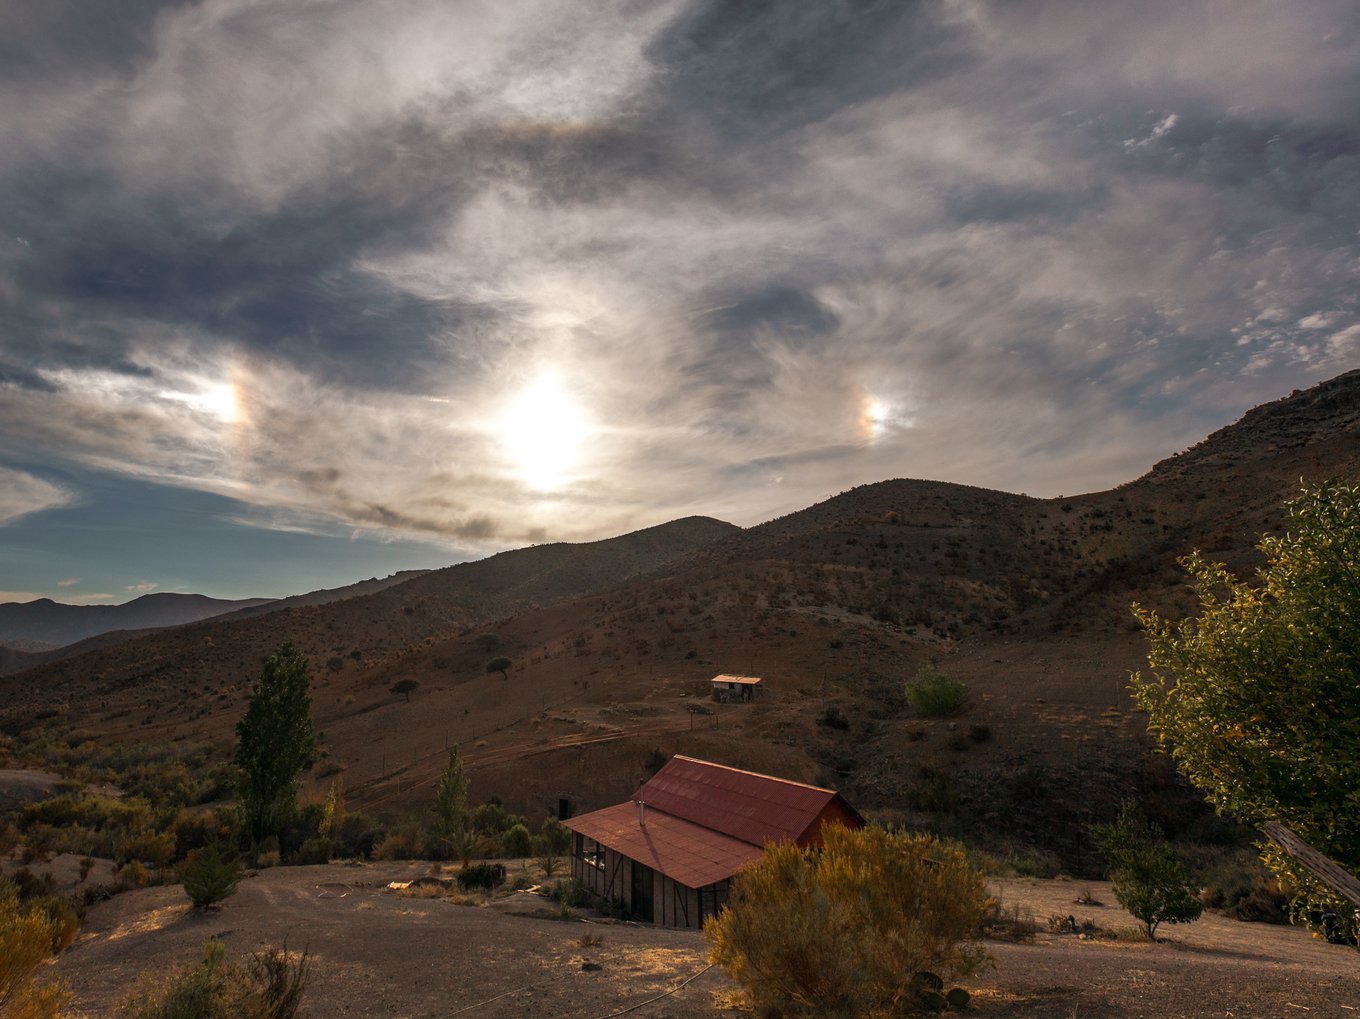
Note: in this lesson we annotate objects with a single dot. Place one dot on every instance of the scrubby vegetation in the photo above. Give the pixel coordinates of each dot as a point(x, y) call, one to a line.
point(269, 986)
point(870, 926)
point(934, 694)
point(30, 933)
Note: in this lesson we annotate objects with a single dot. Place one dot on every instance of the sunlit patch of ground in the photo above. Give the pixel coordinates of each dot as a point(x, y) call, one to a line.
point(146, 923)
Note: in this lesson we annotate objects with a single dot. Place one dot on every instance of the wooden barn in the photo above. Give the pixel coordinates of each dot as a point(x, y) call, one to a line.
point(670, 852)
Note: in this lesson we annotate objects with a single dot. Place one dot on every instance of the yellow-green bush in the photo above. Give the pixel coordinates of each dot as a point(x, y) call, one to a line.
point(28, 935)
point(845, 931)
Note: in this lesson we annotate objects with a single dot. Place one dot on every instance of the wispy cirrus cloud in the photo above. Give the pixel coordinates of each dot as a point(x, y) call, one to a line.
point(311, 257)
point(22, 493)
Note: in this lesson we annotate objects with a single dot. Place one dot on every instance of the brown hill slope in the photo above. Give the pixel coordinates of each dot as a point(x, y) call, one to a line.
point(175, 670)
point(1025, 600)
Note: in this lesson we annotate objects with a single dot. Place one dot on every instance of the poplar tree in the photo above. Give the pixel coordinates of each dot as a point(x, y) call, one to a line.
point(275, 743)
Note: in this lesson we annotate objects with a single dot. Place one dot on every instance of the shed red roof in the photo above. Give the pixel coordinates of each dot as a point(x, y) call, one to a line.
point(705, 821)
point(742, 804)
point(684, 852)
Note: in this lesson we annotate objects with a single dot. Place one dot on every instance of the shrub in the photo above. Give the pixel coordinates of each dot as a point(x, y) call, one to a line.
point(556, 835)
point(571, 894)
point(934, 694)
point(857, 929)
point(210, 875)
point(834, 718)
point(404, 842)
point(28, 935)
point(481, 875)
point(517, 841)
point(1149, 881)
point(270, 986)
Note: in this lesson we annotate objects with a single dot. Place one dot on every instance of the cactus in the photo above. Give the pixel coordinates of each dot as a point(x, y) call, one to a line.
point(958, 997)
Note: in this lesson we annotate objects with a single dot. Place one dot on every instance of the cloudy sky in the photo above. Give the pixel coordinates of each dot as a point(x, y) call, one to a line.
point(297, 292)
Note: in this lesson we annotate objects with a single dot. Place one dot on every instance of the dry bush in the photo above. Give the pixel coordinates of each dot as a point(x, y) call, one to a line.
point(848, 931)
point(1010, 923)
point(269, 986)
point(28, 935)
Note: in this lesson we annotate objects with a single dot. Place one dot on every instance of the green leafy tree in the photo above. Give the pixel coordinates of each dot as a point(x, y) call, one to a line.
point(1149, 880)
point(449, 821)
point(275, 742)
point(501, 665)
point(1257, 696)
point(871, 925)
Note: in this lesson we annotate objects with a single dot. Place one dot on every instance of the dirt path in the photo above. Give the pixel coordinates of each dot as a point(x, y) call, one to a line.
point(380, 954)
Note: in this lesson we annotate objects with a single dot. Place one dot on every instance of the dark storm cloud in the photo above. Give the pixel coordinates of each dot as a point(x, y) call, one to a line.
point(311, 256)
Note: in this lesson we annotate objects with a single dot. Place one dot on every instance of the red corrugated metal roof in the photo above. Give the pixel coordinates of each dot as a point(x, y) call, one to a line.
point(743, 805)
point(684, 852)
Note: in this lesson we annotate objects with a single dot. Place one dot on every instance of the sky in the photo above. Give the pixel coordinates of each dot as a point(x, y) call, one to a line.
point(298, 292)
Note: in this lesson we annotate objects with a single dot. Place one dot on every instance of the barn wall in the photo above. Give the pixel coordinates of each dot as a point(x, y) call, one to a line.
point(833, 813)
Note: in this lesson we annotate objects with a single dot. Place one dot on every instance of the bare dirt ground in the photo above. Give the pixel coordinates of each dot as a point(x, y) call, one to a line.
point(376, 953)
point(24, 785)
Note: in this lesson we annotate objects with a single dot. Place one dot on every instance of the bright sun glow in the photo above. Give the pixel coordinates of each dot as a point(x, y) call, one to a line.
point(219, 400)
point(878, 417)
point(873, 419)
point(544, 433)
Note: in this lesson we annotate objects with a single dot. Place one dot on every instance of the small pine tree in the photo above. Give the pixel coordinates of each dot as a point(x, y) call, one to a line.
point(1149, 880)
point(210, 875)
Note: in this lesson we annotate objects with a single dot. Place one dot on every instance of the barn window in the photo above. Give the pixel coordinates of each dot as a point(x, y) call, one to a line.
point(589, 851)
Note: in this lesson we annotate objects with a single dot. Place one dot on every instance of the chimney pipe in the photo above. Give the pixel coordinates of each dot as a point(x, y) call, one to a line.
point(642, 813)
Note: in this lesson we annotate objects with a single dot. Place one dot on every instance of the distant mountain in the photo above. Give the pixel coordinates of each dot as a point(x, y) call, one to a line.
point(54, 624)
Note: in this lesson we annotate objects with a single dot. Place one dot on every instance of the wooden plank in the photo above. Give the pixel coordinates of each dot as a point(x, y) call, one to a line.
point(1330, 873)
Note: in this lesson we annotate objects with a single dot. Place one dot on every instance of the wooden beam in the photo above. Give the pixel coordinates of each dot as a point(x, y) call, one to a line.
point(1330, 873)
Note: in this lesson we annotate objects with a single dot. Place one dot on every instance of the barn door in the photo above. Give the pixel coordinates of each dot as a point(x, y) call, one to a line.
point(642, 892)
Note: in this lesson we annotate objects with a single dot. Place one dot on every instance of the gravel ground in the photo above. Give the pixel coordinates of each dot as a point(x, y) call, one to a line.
point(377, 953)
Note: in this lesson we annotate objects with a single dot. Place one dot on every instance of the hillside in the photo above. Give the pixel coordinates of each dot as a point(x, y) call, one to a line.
point(613, 643)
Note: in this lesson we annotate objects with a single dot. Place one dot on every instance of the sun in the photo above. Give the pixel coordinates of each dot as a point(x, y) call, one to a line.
point(544, 433)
